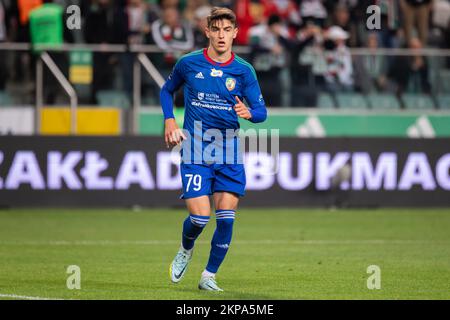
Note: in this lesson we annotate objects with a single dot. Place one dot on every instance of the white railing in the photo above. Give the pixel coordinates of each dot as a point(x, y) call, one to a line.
point(45, 58)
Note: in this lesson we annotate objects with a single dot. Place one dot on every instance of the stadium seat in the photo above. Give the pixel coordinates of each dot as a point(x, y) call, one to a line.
point(351, 101)
point(325, 101)
point(113, 98)
point(443, 101)
point(383, 101)
point(83, 92)
point(413, 101)
point(5, 99)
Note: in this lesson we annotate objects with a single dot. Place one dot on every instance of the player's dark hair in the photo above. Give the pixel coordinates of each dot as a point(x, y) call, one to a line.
point(220, 13)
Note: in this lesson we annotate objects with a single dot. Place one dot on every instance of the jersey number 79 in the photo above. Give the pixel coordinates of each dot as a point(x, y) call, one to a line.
point(196, 179)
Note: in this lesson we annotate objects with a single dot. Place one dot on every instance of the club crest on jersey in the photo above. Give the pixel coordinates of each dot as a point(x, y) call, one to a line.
point(216, 73)
point(201, 95)
point(230, 83)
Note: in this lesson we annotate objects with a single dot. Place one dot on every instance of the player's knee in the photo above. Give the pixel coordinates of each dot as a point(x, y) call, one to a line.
point(226, 200)
point(200, 206)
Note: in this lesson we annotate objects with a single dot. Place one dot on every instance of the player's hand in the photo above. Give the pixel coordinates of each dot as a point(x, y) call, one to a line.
point(173, 135)
point(241, 109)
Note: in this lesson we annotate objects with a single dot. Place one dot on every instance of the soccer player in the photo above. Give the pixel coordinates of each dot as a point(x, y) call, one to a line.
point(216, 82)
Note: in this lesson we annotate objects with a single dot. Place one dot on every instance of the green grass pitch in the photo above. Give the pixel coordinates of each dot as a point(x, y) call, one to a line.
point(275, 254)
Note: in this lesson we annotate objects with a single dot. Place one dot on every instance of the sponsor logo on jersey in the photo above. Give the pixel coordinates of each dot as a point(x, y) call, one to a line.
point(216, 73)
point(199, 76)
point(230, 83)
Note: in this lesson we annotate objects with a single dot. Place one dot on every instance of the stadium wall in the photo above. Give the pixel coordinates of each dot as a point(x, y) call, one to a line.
point(17, 120)
point(140, 171)
point(330, 123)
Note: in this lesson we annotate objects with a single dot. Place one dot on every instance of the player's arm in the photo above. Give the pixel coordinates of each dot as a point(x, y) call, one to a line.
point(172, 133)
point(252, 94)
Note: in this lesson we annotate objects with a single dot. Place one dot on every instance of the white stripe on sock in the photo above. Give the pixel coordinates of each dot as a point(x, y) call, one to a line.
point(199, 222)
point(201, 219)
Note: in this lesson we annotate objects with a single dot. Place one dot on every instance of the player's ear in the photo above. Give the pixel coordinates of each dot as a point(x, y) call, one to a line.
point(207, 32)
point(235, 32)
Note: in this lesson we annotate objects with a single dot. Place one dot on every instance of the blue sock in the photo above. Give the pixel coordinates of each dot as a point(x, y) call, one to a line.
point(192, 227)
point(221, 239)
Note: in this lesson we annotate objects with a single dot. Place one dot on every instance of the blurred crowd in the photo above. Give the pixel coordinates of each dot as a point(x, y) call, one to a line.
point(311, 39)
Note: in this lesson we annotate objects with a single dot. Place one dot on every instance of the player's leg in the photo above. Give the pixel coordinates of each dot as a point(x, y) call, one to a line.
point(196, 189)
point(199, 212)
point(226, 204)
point(228, 186)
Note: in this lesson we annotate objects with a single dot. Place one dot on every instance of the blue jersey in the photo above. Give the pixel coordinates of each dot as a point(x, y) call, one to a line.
point(210, 91)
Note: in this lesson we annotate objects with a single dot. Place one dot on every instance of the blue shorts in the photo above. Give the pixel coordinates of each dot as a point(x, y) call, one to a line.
point(203, 179)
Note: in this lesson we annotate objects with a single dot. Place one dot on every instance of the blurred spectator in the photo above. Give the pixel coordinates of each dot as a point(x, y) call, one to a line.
point(391, 32)
point(200, 18)
point(269, 42)
point(3, 22)
point(314, 11)
point(53, 32)
point(172, 34)
point(411, 73)
point(310, 34)
point(446, 43)
point(99, 28)
point(20, 14)
point(224, 3)
point(175, 37)
point(99, 22)
point(308, 39)
point(341, 18)
point(441, 21)
point(441, 14)
point(24, 7)
point(164, 4)
point(287, 10)
point(309, 30)
point(248, 14)
point(416, 15)
point(191, 8)
point(138, 25)
point(131, 27)
point(371, 69)
point(339, 73)
point(3, 38)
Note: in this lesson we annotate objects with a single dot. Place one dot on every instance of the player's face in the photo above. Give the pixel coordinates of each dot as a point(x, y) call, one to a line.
point(221, 35)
